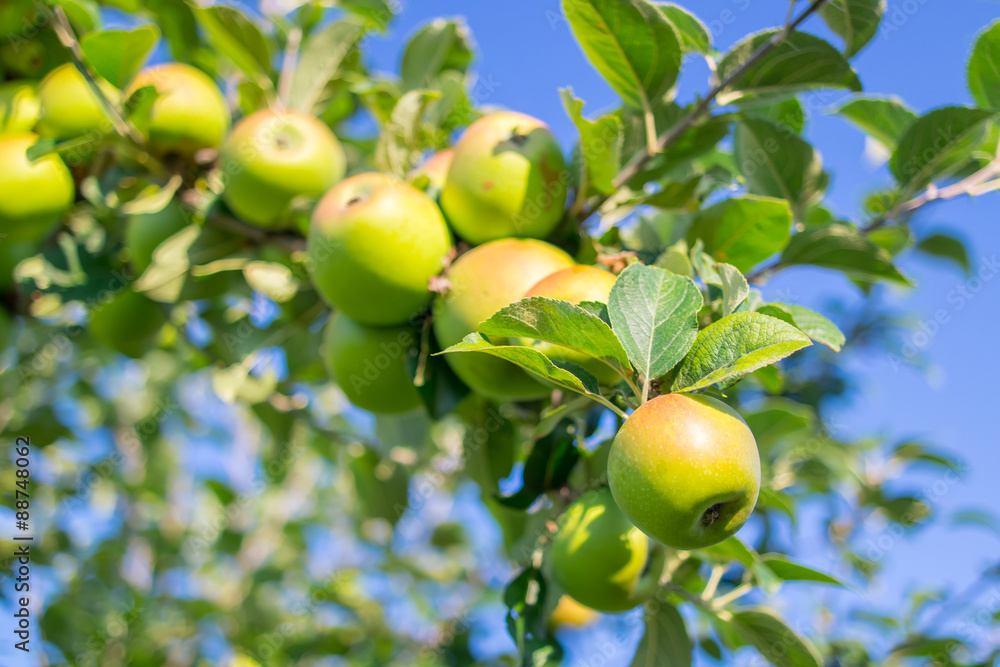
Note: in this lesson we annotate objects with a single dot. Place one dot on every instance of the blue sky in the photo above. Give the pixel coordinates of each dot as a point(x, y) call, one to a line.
point(527, 53)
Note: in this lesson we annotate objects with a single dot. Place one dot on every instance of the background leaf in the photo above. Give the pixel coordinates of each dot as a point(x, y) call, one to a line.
point(884, 119)
point(438, 46)
point(600, 144)
point(694, 35)
point(239, 39)
point(778, 163)
point(946, 247)
point(855, 21)
point(631, 44)
point(743, 231)
point(984, 68)
point(118, 54)
point(321, 59)
point(734, 287)
point(843, 248)
point(665, 641)
point(777, 642)
point(802, 62)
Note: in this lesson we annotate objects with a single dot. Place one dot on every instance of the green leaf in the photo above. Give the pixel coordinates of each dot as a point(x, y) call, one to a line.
point(854, 21)
point(776, 162)
point(946, 247)
point(402, 142)
point(843, 248)
point(733, 549)
point(321, 59)
point(547, 467)
point(654, 314)
point(788, 570)
point(884, 119)
point(695, 36)
point(801, 62)
point(734, 287)
point(118, 54)
point(665, 641)
point(85, 15)
point(239, 39)
point(777, 642)
point(438, 46)
point(632, 45)
point(532, 360)
point(734, 346)
point(600, 144)
point(786, 113)
point(984, 68)
point(936, 145)
point(743, 231)
point(272, 279)
point(809, 322)
point(675, 195)
point(154, 200)
point(561, 323)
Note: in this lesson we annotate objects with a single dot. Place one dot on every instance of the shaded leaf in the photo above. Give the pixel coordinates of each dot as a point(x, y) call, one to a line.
point(946, 247)
point(843, 248)
point(883, 119)
point(788, 570)
point(734, 287)
point(743, 231)
point(665, 641)
point(438, 46)
point(600, 144)
point(694, 35)
point(777, 642)
point(321, 59)
point(776, 162)
point(984, 68)
point(854, 21)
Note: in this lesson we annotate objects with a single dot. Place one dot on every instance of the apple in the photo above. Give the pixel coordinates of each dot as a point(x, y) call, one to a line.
point(31, 57)
point(685, 469)
point(272, 157)
point(507, 178)
point(369, 364)
point(19, 106)
point(598, 557)
point(374, 244)
point(127, 322)
point(568, 613)
point(145, 232)
point(576, 284)
point(70, 107)
point(33, 195)
point(189, 113)
point(430, 175)
point(483, 281)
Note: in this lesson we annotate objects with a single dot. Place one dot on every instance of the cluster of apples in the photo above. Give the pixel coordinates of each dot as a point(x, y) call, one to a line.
point(683, 469)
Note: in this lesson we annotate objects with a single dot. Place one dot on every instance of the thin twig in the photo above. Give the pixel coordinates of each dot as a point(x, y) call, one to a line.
point(731, 596)
point(64, 31)
point(285, 240)
point(713, 582)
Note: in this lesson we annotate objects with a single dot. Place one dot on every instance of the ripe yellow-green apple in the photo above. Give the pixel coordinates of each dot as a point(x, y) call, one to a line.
point(127, 322)
point(369, 364)
point(145, 232)
point(483, 281)
point(599, 558)
point(19, 106)
point(33, 194)
point(685, 469)
point(507, 179)
point(576, 284)
point(70, 107)
point(568, 613)
point(430, 175)
point(188, 114)
point(272, 157)
point(374, 244)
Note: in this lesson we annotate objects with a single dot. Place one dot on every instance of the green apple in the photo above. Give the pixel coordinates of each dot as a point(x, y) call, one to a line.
point(576, 284)
point(430, 175)
point(19, 106)
point(126, 322)
point(369, 364)
point(33, 195)
point(599, 558)
point(71, 108)
point(374, 244)
point(483, 281)
point(507, 178)
point(188, 114)
point(145, 232)
point(685, 469)
point(272, 157)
